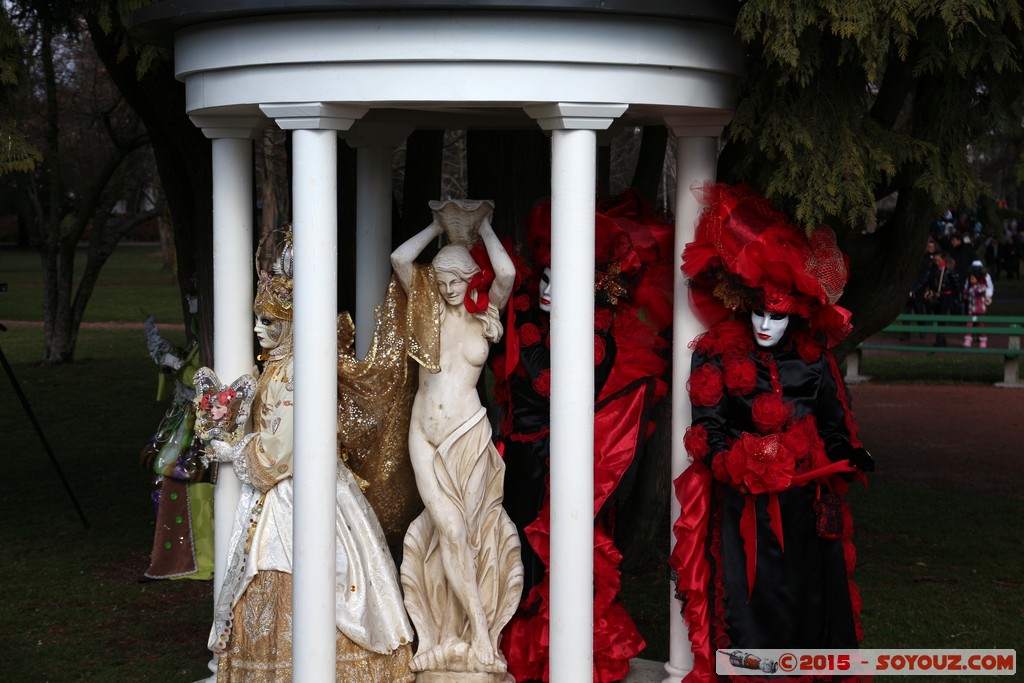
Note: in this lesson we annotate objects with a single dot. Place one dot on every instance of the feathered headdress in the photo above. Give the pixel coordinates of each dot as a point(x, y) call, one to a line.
point(274, 289)
point(631, 245)
point(747, 256)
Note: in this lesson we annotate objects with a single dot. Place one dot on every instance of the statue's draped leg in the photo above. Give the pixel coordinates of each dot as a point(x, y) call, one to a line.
point(470, 473)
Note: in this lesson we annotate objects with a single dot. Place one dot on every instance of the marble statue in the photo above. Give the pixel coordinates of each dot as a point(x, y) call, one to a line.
point(461, 570)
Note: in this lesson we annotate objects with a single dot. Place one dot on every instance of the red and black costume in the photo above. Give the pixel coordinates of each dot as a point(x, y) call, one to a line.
point(632, 309)
point(764, 554)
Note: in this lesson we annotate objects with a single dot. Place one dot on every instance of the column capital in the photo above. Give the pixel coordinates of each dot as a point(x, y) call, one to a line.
point(702, 124)
point(238, 127)
point(376, 134)
point(575, 115)
point(313, 115)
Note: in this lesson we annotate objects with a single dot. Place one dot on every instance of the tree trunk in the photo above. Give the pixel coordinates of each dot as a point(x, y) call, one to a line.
point(165, 229)
point(884, 264)
point(272, 174)
point(58, 332)
point(64, 225)
point(184, 161)
point(57, 249)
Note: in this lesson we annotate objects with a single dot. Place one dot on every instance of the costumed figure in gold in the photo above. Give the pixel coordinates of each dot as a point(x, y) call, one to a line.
point(252, 630)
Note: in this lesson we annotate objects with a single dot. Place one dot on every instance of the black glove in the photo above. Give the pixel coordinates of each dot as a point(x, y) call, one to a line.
point(862, 460)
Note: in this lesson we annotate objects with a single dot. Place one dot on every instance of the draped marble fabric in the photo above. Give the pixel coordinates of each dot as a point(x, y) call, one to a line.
point(471, 473)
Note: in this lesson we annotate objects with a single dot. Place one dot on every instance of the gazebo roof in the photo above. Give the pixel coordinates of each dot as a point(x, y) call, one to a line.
point(474, 63)
point(158, 22)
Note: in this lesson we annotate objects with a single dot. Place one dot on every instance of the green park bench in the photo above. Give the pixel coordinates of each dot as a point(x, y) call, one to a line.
point(954, 326)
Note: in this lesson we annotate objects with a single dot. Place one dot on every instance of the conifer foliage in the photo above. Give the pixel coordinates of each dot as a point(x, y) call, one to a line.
point(846, 102)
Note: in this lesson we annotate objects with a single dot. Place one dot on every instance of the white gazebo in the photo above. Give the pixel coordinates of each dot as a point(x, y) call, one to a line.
point(370, 72)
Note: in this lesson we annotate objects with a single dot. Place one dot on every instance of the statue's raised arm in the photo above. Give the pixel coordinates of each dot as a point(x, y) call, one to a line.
point(501, 263)
point(404, 257)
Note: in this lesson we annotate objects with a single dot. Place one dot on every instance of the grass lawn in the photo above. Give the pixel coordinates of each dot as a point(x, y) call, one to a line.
point(70, 602)
point(938, 569)
point(131, 286)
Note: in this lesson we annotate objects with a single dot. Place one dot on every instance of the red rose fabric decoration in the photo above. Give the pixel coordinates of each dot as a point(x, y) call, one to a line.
point(730, 336)
point(695, 441)
point(718, 469)
point(529, 335)
point(521, 303)
point(739, 374)
point(770, 412)
point(542, 383)
point(602, 319)
point(762, 464)
point(705, 385)
point(599, 349)
point(809, 348)
point(801, 439)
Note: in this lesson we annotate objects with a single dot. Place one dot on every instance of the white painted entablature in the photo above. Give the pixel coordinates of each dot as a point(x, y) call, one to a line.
point(479, 62)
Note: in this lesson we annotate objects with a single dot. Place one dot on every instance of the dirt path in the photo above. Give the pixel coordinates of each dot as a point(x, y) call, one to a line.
point(945, 436)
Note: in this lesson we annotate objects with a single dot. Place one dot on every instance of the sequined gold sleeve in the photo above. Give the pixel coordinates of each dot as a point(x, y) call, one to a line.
point(423, 319)
point(375, 395)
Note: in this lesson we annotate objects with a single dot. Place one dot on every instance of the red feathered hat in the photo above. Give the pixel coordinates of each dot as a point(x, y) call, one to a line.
point(631, 246)
point(747, 256)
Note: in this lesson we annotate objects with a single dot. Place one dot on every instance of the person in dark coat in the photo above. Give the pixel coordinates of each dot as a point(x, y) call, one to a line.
point(1009, 258)
point(945, 289)
point(963, 254)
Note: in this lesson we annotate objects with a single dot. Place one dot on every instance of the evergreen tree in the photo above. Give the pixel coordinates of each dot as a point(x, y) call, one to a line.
point(846, 102)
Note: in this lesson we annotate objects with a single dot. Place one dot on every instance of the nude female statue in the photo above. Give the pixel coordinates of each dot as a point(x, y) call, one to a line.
point(463, 542)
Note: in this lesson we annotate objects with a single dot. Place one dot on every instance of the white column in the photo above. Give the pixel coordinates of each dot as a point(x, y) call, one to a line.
point(374, 144)
point(573, 175)
point(315, 225)
point(696, 160)
point(232, 292)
